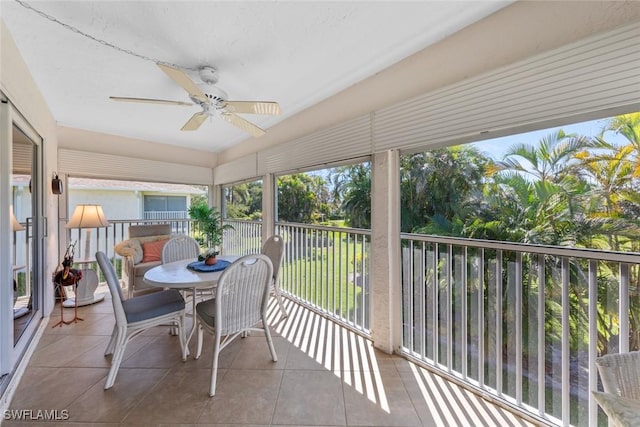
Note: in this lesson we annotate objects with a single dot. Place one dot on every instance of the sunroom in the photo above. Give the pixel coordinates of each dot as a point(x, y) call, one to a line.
point(425, 303)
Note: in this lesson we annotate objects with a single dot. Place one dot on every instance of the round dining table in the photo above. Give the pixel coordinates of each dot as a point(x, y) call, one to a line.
point(176, 275)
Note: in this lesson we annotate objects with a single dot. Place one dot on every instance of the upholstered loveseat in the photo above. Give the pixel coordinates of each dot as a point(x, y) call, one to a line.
point(141, 252)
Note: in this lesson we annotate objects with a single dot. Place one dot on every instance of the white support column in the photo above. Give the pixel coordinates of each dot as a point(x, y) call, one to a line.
point(386, 298)
point(215, 196)
point(268, 206)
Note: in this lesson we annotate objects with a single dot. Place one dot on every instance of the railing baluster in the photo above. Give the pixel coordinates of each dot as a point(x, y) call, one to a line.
point(464, 314)
point(593, 337)
point(436, 304)
point(518, 337)
point(542, 284)
point(624, 308)
point(499, 321)
point(481, 320)
point(449, 288)
point(565, 342)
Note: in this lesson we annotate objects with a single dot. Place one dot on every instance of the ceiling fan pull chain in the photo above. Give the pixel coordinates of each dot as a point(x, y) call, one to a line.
point(102, 42)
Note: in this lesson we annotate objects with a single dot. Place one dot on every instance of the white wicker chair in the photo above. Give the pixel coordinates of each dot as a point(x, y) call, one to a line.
point(180, 247)
point(620, 375)
point(240, 304)
point(137, 314)
point(274, 249)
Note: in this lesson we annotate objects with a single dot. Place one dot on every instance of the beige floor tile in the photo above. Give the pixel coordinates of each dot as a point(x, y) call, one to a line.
point(54, 388)
point(65, 349)
point(163, 351)
point(225, 359)
point(243, 397)
point(185, 406)
point(378, 399)
point(310, 398)
point(92, 324)
point(253, 353)
point(113, 405)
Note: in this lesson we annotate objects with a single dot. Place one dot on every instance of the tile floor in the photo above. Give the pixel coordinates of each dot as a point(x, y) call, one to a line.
point(325, 376)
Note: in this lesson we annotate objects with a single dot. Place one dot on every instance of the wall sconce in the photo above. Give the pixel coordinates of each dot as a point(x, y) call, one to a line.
point(56, 184)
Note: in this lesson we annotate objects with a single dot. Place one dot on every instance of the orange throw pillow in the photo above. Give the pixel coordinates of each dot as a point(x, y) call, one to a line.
point(152, 251)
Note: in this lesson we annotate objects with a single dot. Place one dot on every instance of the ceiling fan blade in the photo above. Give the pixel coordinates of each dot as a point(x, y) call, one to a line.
point(253, 107)
point(195, 121)
point(242, 124)
point(149, 100)
point(185, 81)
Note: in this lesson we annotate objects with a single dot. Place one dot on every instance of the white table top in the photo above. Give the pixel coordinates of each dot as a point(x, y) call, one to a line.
point(176, 275)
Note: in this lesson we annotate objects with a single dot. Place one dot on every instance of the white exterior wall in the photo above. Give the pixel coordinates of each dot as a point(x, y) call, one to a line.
point(115, 204)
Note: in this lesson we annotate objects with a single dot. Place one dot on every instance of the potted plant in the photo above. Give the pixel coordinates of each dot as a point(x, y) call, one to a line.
point(210, 230)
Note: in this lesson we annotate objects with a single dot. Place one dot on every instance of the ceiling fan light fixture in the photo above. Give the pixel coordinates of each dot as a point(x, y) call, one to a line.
point(208, 74)
point(212, 100)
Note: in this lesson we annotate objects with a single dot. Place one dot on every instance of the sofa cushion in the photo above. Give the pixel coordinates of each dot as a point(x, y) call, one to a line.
point(152, 251)
point(133, 247)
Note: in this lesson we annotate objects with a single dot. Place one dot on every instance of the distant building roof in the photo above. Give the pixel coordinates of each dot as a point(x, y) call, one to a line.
point(116, 185)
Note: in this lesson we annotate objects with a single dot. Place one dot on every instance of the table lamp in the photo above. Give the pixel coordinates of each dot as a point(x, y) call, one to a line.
point(15, 225)
point(87, 217)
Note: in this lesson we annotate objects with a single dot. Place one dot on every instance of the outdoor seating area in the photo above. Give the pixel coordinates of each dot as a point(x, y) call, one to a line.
point(325, 375)
point(368, 214)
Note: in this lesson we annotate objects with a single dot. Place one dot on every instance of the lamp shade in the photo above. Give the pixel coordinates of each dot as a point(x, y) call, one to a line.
point(88, 216)
point(15, 225)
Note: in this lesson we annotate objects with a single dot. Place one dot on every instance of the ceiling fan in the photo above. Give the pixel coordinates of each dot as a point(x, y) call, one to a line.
point(212, 100)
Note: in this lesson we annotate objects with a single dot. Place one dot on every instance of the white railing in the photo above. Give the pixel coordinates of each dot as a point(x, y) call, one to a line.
point(166, 215)
point(327, 269)
point(523, 323)
point(244, 239)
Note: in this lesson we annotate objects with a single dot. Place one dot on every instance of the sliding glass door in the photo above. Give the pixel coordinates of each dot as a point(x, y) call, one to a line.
point(21, 252)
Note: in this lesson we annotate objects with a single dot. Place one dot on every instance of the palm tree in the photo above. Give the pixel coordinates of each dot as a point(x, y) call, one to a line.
point(439, 184)
point(549, 160)
point(356, 201)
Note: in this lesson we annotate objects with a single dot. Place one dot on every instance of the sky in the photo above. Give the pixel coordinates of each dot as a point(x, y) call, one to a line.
point(496, 148)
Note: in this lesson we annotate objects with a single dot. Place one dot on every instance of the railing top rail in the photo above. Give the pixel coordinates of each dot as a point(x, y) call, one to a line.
point(248, 221)
point(148, 220)
point(595, 254)
point(326, 228)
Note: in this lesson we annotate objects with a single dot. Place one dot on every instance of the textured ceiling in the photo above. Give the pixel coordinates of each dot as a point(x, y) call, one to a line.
point(297, 53)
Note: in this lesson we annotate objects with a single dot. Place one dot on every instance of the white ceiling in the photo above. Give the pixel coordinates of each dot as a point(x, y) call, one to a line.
point(297, 53)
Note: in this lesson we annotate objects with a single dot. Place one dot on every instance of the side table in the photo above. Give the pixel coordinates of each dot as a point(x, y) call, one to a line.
point(85, 291)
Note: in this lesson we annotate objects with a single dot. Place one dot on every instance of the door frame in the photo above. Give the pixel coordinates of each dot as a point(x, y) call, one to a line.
point(10, 354)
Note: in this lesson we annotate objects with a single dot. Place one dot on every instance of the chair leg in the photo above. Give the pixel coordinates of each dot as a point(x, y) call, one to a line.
point(276, 289)
point(214, 365)
point(120, 345)
point(200, 338)
point(112, 341)
point(182, 338)
point(267, 334)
